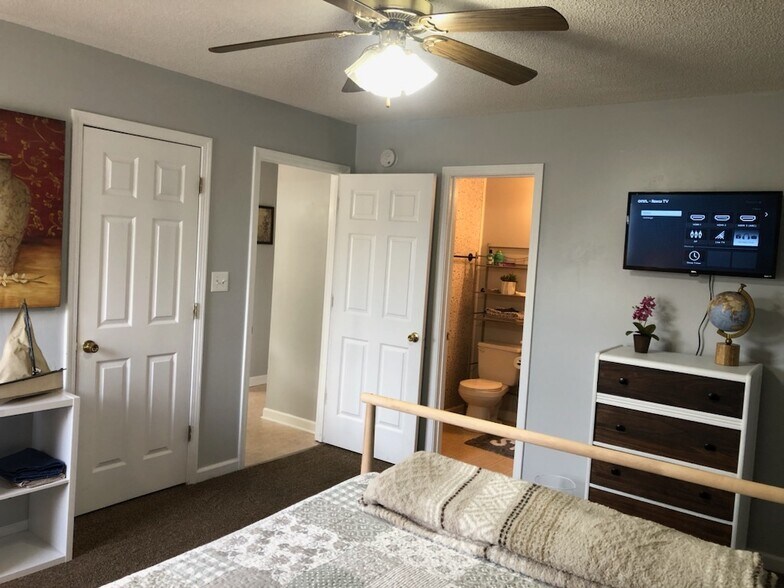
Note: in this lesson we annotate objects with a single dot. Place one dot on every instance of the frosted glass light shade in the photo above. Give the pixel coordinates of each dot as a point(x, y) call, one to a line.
point(390, 71)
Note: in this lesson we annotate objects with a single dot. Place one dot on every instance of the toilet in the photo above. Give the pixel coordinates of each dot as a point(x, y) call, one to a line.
point(498, 370)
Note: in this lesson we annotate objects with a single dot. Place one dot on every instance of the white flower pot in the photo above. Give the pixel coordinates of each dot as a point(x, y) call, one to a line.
point(508, 287)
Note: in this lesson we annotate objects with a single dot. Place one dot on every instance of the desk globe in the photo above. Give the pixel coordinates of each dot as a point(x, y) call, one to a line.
point(732, 313)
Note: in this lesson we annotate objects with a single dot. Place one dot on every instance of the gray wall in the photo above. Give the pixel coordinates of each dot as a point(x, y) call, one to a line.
point(46, 75)
point(265, 256)
point(301, 228)
point(593, 157)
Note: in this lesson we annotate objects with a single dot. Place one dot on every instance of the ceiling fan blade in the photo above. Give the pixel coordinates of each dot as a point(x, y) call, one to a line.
point(283, 41)
point(492, 65)
point(359, 10)
point(536, 18)
point(351, 86)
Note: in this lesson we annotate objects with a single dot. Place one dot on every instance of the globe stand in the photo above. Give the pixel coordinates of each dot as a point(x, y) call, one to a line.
point(727, 353)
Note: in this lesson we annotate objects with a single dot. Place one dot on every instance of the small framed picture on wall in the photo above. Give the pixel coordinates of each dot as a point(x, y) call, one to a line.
point(266, 225)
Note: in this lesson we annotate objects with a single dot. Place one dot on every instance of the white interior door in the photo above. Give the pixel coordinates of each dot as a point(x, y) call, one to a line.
point(137, 260)
point(382, 253)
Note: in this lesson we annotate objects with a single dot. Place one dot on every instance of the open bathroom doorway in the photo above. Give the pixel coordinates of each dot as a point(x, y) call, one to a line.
point(287, 280)
point(484, 308)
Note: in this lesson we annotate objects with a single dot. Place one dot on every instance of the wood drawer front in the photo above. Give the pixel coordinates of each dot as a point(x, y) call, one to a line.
point(693, 525)
point(701, 499)
point(722, 397)
point(697, 443)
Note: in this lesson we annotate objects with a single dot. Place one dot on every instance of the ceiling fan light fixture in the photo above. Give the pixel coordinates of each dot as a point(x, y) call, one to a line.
point(389, 70)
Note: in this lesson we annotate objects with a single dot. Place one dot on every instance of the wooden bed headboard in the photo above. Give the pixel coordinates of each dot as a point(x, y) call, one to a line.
point(646, 464)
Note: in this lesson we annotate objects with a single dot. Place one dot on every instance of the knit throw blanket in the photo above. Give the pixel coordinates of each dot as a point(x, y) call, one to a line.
point(553, 537)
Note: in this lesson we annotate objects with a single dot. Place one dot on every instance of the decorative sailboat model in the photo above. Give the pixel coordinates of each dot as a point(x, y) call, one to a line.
point(23, 369)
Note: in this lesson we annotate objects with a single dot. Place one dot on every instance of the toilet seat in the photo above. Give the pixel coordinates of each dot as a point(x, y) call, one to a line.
point(482, 385)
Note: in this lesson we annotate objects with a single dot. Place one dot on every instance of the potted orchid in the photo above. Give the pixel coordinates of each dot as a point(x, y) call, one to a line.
point(644, 333)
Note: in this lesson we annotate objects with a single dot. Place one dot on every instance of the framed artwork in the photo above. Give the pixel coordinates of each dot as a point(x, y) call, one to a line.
point(32, 170)
point(265, 227)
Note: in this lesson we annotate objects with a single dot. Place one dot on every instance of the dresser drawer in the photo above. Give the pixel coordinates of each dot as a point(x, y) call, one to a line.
point(693, 525)
point(698, 443)
point(693, 497)
point(722, 397)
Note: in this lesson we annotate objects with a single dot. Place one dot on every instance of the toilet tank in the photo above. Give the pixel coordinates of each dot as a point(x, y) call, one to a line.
point(497, 362)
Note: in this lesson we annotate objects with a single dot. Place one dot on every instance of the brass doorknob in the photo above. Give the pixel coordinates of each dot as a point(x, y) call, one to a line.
point(90, 346)
point(413, 337)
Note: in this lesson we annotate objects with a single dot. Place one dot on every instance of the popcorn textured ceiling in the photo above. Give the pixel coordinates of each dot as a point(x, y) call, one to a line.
point(615, 51)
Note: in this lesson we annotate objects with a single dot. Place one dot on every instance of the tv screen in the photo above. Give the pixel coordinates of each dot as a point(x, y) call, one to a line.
point(724, 233)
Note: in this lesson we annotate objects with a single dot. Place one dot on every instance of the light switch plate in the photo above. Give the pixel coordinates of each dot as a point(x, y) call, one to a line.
point(219, 282)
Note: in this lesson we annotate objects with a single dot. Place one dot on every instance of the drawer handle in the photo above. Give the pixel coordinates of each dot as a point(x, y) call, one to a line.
point(713, 397)
point(623, 381)
point(710, 447)
point(622, 429)
point(615, 471)
point(705, 495)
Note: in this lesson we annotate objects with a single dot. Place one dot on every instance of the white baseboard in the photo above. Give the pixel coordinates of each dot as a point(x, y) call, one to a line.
point(289, 420)
point(258, 380)
point(774, 563)
point(215, 469)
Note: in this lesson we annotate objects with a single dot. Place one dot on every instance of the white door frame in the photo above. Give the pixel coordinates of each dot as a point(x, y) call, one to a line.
point(261, 155)
point(441, 293)
point(81, 119)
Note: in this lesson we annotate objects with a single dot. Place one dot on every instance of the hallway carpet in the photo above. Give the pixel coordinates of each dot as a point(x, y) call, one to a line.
point(121, 539)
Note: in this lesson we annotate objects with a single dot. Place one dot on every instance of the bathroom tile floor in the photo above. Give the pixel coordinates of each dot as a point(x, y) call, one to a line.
point(453, 445)
point(265, 440)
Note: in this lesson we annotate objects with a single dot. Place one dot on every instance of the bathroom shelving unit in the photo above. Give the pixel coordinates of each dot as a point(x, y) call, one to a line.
point(36, 524)
point(486, 292)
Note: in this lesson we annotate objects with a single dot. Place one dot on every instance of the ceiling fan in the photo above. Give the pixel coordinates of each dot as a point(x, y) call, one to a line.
point(389, 70)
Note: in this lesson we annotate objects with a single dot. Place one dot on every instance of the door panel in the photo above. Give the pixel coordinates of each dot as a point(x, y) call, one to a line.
point(137, 262)
point(381, 269)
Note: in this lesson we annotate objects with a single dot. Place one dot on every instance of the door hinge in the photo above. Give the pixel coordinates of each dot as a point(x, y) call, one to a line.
point(195, 310)
point(190, 433)
point(201, 184)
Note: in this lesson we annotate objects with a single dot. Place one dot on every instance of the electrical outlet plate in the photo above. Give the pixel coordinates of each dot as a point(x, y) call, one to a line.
point(219, 282)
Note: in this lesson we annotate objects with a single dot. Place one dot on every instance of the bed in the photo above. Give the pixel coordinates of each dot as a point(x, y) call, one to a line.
point(435, 522)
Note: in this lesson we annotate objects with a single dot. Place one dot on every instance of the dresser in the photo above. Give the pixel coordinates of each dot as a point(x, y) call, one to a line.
point(685, 410)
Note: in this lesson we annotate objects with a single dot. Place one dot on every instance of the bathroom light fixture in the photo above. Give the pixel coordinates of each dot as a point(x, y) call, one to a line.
point(389, 70)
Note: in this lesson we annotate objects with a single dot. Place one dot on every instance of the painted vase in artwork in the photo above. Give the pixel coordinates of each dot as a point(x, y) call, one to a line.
point(14, 210)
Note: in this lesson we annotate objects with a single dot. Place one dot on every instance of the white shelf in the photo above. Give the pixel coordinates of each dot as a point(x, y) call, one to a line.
point(48, 401)
point(36, 524)
point(8, 491)
point(23, 553)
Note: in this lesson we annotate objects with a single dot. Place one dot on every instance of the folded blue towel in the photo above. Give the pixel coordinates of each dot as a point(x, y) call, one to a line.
point(30, 464)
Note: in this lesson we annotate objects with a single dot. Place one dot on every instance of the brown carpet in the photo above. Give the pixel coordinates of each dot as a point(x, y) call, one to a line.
point(127, 537)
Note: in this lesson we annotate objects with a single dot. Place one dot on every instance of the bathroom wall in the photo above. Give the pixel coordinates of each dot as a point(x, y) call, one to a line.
point(469, 208)
point(301, 226)
point(262, 303)
point(508, 211)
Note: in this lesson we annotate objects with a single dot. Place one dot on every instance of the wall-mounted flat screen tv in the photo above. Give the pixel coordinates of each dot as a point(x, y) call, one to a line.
point(723, 233)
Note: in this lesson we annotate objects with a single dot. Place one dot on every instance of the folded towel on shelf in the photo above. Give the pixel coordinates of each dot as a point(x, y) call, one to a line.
point(507, 313)
point(40, 482)
point(30, 465)
point(548, 535)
